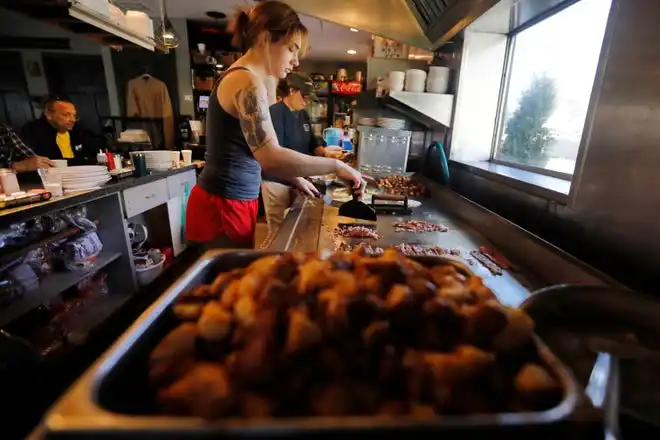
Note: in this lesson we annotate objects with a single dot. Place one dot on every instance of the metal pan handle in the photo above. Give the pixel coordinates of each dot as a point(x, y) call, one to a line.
point(390, 197)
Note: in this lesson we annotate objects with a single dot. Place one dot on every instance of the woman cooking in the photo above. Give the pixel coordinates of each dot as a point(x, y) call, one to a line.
point(241, 140)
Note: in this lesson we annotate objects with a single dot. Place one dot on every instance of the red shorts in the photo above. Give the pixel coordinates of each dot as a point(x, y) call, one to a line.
point(209, 217)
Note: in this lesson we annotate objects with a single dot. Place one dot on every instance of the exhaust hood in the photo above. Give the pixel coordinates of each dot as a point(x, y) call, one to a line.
point(426, 24)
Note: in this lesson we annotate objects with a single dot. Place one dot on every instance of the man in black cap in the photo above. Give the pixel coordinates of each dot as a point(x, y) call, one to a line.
point(294, 131)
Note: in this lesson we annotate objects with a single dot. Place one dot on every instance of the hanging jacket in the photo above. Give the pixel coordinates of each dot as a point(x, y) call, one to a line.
point(148, 97)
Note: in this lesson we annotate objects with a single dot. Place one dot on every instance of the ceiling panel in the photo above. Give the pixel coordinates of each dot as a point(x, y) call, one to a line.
point(328, 41)
point(387, 18)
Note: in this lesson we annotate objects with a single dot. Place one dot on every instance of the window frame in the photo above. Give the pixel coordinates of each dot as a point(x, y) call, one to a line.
point(504, 93)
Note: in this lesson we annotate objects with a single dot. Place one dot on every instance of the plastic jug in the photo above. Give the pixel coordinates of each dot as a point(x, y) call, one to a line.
point(333, 136)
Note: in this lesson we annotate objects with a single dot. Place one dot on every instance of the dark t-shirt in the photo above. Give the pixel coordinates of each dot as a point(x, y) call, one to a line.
point(294, 131)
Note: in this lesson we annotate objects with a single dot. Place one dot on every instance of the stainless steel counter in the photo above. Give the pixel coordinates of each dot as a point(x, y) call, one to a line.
point(308, 227)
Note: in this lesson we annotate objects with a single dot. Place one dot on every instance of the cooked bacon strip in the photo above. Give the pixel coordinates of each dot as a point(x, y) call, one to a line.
point(402, 185)
point(487, 262)
point(418, 226)
point(357, 232)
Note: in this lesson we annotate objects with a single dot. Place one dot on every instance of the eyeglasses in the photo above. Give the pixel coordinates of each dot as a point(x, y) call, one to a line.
point(67, 115)
point(73, 116)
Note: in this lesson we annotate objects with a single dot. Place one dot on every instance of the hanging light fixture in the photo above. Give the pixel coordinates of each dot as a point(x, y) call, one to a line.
point(166, 33)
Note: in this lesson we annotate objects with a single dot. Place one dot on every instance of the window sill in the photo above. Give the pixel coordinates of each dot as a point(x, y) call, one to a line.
point(547, 187)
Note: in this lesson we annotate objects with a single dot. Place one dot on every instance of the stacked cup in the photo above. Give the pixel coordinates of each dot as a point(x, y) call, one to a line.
point(187, 156)
point(438, 79)
point(415, 80)
point(395, 81)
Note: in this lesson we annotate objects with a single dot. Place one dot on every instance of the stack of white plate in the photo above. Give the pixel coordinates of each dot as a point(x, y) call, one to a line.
point(140, 22)
point(367, 121)
point(391, 123)
point(81, 177)
point(437, 80)
point(395, 81)
point(415, 80)
point(160, 160)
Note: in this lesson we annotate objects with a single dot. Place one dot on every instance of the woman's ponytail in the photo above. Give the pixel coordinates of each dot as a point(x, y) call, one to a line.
point(239, 27)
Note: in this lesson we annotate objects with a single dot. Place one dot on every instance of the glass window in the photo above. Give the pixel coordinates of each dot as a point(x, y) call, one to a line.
point(552, 73)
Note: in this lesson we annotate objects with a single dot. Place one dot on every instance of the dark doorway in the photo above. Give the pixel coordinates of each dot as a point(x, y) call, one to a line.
point(15, 106)
point(133, 62)
point(81, 78)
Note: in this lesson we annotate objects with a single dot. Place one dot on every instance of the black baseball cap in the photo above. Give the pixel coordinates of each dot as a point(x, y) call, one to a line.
point(302, 82)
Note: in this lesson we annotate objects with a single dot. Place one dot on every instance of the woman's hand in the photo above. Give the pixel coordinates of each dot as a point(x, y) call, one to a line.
point(306, 187)
point(352, 176)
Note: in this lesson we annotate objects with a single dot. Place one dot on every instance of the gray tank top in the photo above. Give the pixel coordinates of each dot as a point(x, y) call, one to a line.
point(231, 171)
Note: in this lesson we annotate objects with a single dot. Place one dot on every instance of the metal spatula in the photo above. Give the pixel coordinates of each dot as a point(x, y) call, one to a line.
point(357, 209)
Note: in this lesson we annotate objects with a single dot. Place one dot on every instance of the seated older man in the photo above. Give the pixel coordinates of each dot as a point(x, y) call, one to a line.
point(55, 134)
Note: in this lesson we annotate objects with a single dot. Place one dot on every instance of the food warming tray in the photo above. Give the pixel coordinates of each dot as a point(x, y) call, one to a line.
point(113, 399)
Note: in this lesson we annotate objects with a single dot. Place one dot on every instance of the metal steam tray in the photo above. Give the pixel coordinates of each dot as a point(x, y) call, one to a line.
point(113, 398)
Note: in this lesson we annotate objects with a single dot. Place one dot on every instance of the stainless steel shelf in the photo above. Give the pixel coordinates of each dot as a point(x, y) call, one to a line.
point(94, 315)
point(13, 255)
point(51, 286)
point(91, 17)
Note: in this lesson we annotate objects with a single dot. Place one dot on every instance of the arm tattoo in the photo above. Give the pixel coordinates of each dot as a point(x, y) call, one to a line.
point(253, 114)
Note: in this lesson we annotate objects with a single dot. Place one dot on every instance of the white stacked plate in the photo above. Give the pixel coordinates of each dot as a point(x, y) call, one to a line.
point(160, 160)
point(159, 165)
point(415, 80)
point(391, 123)
point(437, 80)
point(367, 121)
point(81, 177)
point(395, 81)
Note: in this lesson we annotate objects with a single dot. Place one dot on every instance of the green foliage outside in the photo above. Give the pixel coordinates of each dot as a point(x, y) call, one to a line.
point(526, 138)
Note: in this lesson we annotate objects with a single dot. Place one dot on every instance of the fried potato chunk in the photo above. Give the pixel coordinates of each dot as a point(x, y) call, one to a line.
point(174, 355)
point(345, 334)
point(205, 391)
point(215, 322)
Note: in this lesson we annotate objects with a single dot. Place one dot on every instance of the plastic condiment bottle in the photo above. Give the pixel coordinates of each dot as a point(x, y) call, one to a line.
point(111, 160)
point(8, 181)
point(101, 158)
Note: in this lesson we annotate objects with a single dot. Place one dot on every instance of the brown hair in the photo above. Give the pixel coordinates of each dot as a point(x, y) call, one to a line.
point(273, 19)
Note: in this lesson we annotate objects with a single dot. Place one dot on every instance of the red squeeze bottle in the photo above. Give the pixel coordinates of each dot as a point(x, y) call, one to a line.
point(111, 160)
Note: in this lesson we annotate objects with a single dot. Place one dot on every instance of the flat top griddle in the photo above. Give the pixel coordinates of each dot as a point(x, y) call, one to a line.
point(511, 286)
